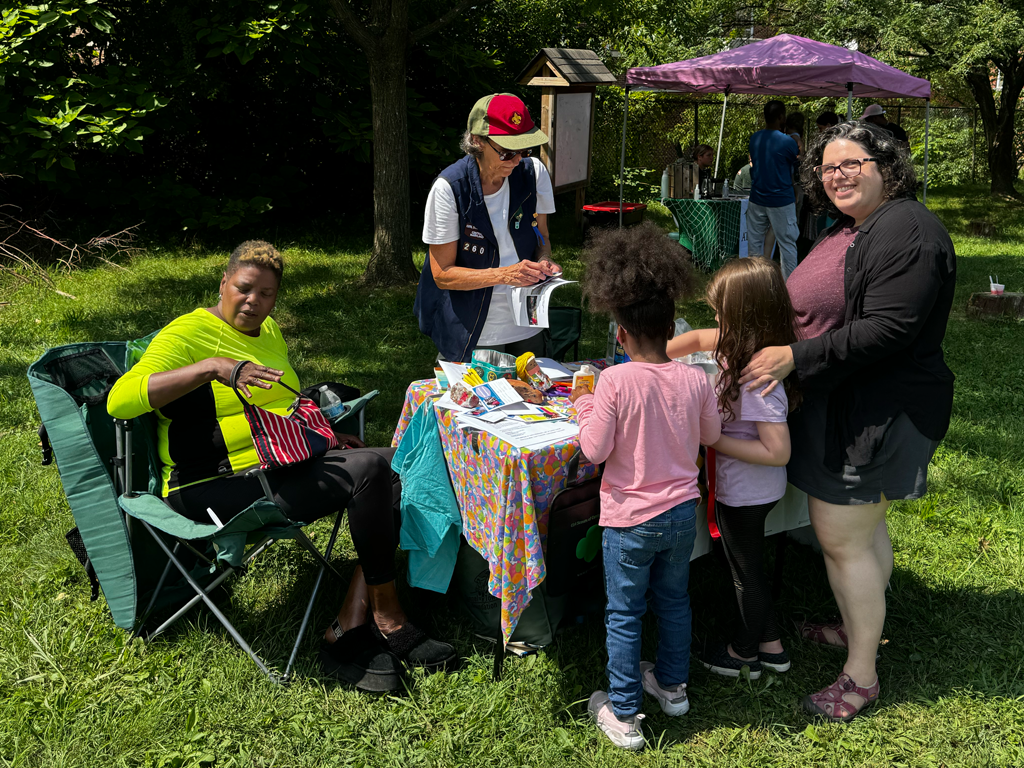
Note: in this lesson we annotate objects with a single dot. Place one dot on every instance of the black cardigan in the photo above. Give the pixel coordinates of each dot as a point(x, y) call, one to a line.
point(886, 359)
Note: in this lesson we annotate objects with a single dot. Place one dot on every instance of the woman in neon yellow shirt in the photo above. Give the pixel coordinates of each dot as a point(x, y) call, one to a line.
point(205, 442)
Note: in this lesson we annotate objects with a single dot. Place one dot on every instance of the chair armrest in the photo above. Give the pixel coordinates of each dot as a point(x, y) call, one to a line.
point(155, 511)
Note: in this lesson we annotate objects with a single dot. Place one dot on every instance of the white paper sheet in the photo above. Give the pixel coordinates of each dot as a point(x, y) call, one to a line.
point(530, 436)
point(454, 371)
point(497, 394)
point(554, 369)
point(530, 304)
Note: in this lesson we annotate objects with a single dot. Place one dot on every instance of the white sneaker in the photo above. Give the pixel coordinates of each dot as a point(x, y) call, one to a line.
point(623, 733)
point(673, 701)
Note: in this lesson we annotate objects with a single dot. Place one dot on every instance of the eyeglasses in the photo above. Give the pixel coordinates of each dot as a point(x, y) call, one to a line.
point(848, 168)
point(507, 154)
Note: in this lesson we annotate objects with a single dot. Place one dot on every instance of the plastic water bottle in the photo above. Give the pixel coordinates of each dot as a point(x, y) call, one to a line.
point(696, 191)
point(725, 189)
point(615, 354)
point(332, 406)
point(664, 184)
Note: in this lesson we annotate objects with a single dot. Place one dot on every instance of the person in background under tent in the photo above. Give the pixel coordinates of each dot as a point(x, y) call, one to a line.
point(704, 157)
point(772, 200)
point(826, 120)
point(875, 114)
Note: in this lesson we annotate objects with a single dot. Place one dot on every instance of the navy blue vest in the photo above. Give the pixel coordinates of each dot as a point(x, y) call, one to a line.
point(453, 319)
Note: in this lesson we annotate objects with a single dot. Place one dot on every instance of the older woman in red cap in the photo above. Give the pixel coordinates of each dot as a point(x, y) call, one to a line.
point(486, 227)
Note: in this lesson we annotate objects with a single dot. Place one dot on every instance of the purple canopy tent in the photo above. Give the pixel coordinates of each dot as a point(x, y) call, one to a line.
point(784, 65)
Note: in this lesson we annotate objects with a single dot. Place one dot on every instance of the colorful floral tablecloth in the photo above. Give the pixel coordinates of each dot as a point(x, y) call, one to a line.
point(504, 494)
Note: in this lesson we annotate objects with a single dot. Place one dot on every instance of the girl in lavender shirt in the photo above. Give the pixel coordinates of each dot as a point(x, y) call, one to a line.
point(753, 311)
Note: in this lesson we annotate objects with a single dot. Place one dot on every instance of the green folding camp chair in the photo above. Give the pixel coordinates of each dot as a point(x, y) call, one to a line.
point(134, 540)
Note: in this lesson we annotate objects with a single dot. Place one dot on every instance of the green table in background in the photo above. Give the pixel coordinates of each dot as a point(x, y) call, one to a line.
point(712, 226)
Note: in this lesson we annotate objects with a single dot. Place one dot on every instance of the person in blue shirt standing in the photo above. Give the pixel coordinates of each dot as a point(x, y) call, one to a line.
point(772, 199)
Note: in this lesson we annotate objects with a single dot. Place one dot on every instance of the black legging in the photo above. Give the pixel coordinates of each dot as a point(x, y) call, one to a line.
point(743, 535)
point(357, 479)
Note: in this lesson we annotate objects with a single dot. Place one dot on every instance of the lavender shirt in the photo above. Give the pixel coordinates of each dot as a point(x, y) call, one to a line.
point(816, 286)
point(740, 484)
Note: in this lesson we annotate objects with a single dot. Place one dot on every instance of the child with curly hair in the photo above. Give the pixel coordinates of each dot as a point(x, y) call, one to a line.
point(646, 420)
point(753, 311)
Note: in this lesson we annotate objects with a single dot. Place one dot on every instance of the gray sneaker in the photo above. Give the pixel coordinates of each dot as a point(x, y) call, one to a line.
point(623, 733)
point(673, 701)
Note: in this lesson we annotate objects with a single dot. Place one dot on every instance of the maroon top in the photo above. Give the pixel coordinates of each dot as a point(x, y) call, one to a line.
point(816, 286)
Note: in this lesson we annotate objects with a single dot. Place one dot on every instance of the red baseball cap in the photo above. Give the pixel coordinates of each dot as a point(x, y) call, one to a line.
point(504, 118)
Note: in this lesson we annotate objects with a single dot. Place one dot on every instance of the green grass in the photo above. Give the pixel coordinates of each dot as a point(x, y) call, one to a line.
point(75, 692)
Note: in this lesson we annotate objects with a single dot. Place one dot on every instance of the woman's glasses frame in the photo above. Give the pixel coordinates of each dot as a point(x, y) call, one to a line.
point(504, 155)
point(853, 168)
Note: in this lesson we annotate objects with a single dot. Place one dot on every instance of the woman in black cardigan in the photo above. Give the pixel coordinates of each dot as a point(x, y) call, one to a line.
point(872, 299)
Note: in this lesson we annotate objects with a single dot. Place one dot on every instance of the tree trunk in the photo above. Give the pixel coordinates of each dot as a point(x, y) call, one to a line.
point(999, 123)
point(391, 261)
point(385, 37)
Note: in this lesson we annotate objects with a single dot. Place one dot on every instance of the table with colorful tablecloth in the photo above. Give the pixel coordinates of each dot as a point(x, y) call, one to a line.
point(504, 494)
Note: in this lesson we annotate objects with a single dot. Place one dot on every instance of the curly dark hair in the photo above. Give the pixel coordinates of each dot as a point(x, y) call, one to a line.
point(637, 274)
point(893, 161)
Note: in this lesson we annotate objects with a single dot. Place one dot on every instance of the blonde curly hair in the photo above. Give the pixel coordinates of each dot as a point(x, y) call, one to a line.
point(256, 253)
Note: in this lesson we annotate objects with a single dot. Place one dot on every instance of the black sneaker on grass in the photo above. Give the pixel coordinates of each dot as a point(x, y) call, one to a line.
point(777, 662)
point(718, 660)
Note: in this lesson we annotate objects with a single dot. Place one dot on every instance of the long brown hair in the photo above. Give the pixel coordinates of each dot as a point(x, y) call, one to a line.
point(754, 311)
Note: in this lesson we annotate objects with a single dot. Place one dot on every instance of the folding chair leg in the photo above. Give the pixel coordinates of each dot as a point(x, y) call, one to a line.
point(324, 565)
point(156, 592)
point(253, 552)
point(210, 604)
point(310, 547)
point(191, 603)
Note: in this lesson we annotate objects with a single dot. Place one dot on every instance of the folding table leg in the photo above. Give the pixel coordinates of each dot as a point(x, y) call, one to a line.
point(210, 604)
point(499, 660)
point(324, 565)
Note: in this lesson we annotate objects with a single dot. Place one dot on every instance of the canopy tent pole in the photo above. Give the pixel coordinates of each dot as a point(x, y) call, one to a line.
point(622, 157)
point(721, 129)
point(849, 101)
point(927, 121)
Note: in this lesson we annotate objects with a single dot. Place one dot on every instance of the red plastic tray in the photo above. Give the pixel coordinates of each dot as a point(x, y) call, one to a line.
point(612, 206)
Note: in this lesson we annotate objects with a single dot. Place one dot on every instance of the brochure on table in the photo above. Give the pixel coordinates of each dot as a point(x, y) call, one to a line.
point(502, 411)
point(530, 304)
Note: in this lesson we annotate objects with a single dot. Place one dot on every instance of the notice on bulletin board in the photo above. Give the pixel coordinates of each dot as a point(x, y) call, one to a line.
point(572, 137)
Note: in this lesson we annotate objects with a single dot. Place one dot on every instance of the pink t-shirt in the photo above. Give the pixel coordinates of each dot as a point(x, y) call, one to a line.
point(817, 287)
point(739, 483)
point(647, 421)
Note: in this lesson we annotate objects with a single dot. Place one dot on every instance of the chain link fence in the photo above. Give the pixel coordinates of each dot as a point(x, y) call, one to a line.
point(663, 127)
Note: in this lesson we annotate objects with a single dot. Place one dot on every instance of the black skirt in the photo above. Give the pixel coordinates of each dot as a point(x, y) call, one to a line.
point(898, 471)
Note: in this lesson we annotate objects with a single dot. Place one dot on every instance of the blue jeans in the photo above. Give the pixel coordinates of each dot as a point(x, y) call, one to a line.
point(784, 225)
point(656, 555)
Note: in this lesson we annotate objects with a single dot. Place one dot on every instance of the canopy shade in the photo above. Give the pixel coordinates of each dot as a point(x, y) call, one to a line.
point(784, 65)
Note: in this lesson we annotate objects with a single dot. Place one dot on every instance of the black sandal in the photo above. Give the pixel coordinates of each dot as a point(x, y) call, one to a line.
point(413, 646)
point(356, 659)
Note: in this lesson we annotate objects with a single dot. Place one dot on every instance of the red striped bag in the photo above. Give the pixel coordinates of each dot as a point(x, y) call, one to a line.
point(284, 440)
